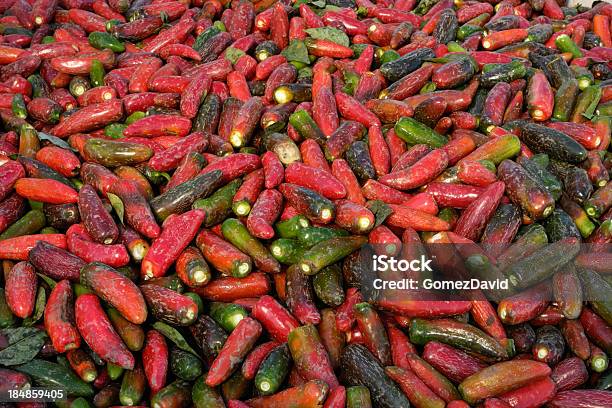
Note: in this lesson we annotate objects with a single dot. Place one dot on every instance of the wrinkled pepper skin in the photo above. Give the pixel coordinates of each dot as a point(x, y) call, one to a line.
point(229, 289)
point(315, 179)
point(524, 191)
point(55, 262)
point(540, 97)
point(98, 222)
point(11, 209)
point(168, 305)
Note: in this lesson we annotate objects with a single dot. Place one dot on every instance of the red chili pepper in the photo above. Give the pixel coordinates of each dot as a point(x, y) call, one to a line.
point(158, 125)
point(500, 39)
point(235, 349)
point(246, 120)
point(420, 173)
point(238, 86)
point(249, 190)
point(246, 65)
point(45, 190)
point(234, 166)
point(477, 214)
point(97, 95)
point(313, 156)
point(422, 202)
point(168, 83)
point(59, 318)
point(413, 387)
point(327, 48)
point(324, 111)
point(20, 289)
point(300, 297)
point(99, 334)
point(10, 173)
point(452, 363)
point(264, 213)
point(601, 27)
point(102, 8)
point(431, 24)
point(379, 151)
point(81, 64)
point(142, 74)
point(176, 33)
point(350, 24)
point(524, 306)
point(279, 26)
point(193, 95)
point(309, 355)
point(177, 232)
point(171, 158)
point(89, 118)
point(138, 214)
point(155, 360)
point(315, 179)
point(275, 318)
point(583, 134)
point(81, 244)
point(311, 18)
point(596, 329)
point(11, 209)
point(266, 67)
point(311, 393)
point(255, 358)
point(354, 217)
point(569, 373)
point(374, 190)
point(352, 109)
point(273, 169)
point(228, 289)
point(540, 97)
point(475, 173)
point(468, 12)
point(9, 55)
